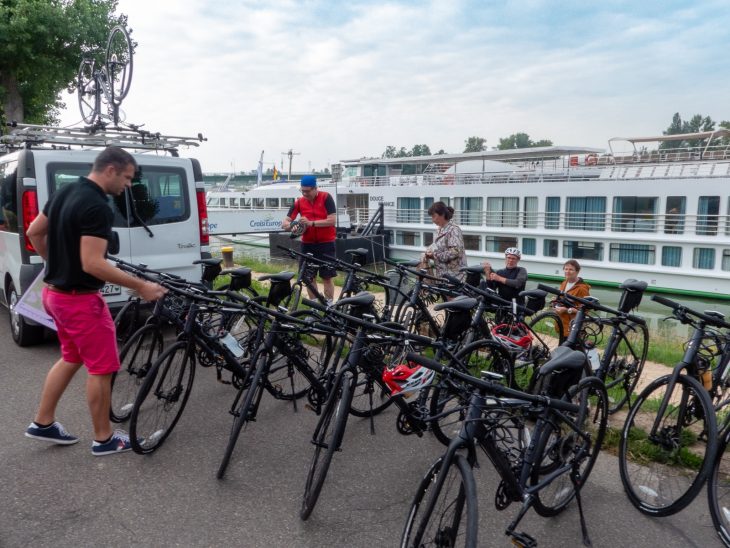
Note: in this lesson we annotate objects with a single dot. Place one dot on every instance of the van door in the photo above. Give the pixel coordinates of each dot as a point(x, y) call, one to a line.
point(163, 222)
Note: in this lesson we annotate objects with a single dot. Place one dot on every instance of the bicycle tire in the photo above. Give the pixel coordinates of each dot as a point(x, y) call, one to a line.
point(454, 520)
point(286, 380)
point(127, 321)
point(330, 430)
point(718, 491)
point(565, 447)
point(119, 52)
point(483, 355)
point(413, 320)
point(162, 398)
point(654, 487)
point(546, 328)
point(136, 359)
point(90, 109)
point(624, 367)
point(248, 395)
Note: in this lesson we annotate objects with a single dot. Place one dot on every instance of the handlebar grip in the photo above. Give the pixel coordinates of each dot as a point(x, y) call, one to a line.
point(666, 302)
point(424, 361)
point(636, 319)
point(549, 289)
point(314, 304)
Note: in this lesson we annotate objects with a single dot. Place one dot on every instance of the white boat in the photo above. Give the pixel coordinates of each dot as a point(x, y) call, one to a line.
point(661, 215)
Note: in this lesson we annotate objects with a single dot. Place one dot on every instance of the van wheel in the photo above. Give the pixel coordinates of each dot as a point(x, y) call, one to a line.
point(23, 333)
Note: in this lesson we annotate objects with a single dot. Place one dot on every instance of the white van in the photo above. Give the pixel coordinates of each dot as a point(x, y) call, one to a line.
point(161, 221)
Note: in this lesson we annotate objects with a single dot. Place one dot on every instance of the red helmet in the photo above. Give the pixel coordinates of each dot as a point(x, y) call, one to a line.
point(406, 378)
point(512, 337)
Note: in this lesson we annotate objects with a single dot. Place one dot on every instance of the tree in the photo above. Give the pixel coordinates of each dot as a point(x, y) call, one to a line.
point(42, 44)
point(695, 124)
point(475, 144)
point(390, 152)
point(521, 140)
point(420, 150)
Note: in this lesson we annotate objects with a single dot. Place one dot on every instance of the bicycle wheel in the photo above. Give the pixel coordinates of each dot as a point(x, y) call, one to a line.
point(127, 321)
point(452, 399)
point(625, 365)
point(87, 91)
point(453, 518)
point(718, 491)
point(136, 357)
point(561, 446)
point(329, 432)
point(413, 320)
point(663, 472)
point(119, 63)
point(547, 335)
point(162, 398)
point(286, 380)
point(247, 399)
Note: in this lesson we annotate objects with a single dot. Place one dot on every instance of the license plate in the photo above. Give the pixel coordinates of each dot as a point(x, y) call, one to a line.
point(111, 289)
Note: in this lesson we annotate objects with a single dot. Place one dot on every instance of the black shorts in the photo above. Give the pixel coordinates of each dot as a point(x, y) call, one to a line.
point(319, 251)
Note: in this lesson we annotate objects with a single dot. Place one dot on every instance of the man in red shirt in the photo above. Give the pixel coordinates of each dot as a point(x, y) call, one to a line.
point(318, 214)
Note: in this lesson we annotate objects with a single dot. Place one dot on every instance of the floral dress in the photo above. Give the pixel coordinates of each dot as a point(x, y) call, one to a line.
point(448, 250)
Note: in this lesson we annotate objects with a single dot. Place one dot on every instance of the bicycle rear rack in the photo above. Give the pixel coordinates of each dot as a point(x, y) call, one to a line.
point(132, 137)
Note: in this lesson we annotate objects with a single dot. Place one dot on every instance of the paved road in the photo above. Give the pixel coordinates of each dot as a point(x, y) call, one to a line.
point(62, 496)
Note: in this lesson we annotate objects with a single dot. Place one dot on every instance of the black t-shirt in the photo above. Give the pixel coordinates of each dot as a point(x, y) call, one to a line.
point(78, 209)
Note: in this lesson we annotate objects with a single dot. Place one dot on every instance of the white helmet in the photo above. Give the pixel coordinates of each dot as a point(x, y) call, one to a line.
point(513, 251)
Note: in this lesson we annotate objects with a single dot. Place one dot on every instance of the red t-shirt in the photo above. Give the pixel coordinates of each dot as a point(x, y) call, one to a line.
point(318, 210)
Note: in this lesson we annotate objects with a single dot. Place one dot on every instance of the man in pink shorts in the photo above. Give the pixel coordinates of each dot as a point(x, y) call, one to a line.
point(72, 235)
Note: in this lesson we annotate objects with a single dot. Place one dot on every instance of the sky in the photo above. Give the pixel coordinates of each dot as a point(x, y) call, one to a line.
point(335, 80)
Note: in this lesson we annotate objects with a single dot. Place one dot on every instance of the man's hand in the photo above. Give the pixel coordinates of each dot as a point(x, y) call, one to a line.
point(150, 291)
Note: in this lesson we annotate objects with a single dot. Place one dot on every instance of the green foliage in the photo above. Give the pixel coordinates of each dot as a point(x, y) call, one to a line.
point(475, 144)
point(521, 140)
point(695, 124)
point(42, 44)
point(417, 150)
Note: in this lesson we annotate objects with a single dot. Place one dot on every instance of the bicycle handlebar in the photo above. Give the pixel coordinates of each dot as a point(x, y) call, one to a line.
point(412, 271)
point(590, 304)
point(493, 387)
point(679, 310)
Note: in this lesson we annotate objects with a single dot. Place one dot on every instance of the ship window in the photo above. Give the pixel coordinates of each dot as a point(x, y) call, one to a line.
point(472, 242)
point(246, 202)
point(427, 238)
point(409, 210)
point(258, 203)
point(726, 259)
point(552, 213)
point(583, 250)
point(530, 218)
point(285, 202)
point(405, 237)
point(708, 211)
point(671, 255)
point(498, 244)
point(634, 214)
point(586, 213)
point(674, 218)
point(234, 202)
point(503, 211)
point(272, 202)
point(445, 200)
point(212, 201)
point(470, 211)
point(427, 203)
point(633, 253)
point(550, 248)
point(529, 246)
point(703, 258)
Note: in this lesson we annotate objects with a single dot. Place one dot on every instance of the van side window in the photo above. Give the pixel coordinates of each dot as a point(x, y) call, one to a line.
point(9, 197)
point(159, 194)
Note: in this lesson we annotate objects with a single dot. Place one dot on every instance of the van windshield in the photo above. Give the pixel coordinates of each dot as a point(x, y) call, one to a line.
point(159, 194)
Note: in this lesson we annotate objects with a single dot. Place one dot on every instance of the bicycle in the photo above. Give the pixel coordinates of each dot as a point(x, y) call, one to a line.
point(107, 85)
point(544, 467)
point(670, 436)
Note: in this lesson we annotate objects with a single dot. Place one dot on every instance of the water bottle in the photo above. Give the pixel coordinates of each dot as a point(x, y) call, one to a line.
point(230, 342)
point(593, 357)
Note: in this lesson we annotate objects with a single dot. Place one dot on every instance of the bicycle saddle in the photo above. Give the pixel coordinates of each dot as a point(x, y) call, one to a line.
point(411, 264)
point(358, 251)
point(208, 262)
point(534, 293)
point(633, 285)
point(363, 298)
point(563, 358)
point(461, 303)
point(280, 277)
point(240, 278)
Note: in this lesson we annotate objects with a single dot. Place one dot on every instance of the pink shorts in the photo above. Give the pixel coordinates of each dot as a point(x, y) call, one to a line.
point(85, 330)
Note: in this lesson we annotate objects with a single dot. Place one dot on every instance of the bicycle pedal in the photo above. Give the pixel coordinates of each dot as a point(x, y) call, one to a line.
point(523, 540)
point(309, 407)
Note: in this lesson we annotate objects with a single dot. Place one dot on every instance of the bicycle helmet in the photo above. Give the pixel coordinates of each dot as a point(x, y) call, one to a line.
point(406, 378)
point(514, 338)
point(513, 251)
point(297, 229)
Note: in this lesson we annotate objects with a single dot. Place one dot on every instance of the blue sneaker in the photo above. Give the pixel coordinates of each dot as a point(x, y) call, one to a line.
point(55, 433)
point(118, 443)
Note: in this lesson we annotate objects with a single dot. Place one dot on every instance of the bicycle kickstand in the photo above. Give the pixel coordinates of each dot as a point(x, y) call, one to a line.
point(579, 502)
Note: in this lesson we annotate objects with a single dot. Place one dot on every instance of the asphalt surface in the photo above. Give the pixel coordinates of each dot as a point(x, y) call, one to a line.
point(63, 496)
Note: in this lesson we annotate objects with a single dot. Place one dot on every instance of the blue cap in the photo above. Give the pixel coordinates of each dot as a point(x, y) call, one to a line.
point(308, 181)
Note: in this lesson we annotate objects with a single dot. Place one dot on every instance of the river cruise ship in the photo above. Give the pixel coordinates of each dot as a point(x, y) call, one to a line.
point(652, 208)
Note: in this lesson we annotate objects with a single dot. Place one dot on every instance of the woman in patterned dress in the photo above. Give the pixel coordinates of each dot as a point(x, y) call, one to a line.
point(447, 250)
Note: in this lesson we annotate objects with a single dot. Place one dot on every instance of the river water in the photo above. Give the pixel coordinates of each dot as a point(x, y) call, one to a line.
point(653, 312)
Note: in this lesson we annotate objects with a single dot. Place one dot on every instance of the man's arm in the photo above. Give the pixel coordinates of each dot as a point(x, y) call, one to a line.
point(38, 235)
point(93, 262)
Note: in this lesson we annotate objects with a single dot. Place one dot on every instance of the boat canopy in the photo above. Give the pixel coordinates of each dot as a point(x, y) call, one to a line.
point(709, 135)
